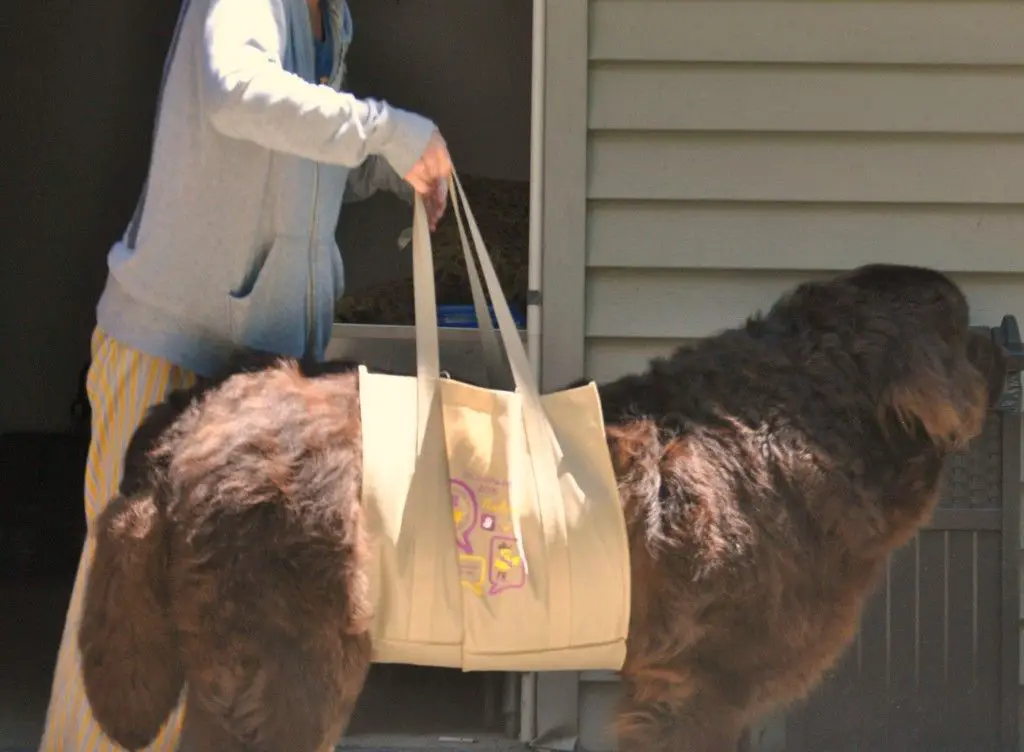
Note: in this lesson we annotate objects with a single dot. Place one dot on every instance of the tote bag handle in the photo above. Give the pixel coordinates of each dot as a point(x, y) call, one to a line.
point(428, 368)
point(544, 450)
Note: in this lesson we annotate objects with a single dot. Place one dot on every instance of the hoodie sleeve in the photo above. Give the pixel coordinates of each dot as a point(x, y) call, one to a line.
point(247, 94)
point(373, 175)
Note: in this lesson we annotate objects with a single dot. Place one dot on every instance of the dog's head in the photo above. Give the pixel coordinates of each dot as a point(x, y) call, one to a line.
point(906, 329)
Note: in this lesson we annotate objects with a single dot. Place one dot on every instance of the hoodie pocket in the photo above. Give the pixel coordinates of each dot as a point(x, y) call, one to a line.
point(268, 312)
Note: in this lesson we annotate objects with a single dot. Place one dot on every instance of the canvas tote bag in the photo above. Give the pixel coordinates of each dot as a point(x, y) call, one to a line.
point(498, 534)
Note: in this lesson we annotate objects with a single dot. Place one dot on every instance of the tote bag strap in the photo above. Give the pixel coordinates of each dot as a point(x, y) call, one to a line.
point(493, 360)
point(428, 359)
point(425, 298)
point(544, 450)
point(428, 356)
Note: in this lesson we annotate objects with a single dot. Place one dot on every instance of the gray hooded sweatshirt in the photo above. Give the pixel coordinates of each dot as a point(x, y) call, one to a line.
point(233, 241)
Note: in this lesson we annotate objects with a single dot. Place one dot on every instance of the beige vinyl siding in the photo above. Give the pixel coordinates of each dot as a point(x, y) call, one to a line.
point(690, 303)
point(806, 99)
point(871, 32)
point(737, 148)
point(761, 166)
point(794, 235)
point(633, 314)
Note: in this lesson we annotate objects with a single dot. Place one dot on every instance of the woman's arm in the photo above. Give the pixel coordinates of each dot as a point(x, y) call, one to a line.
point(248, 95)
point(376, 175)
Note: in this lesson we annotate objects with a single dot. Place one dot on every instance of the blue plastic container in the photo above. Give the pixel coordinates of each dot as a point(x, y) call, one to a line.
point(464, 316)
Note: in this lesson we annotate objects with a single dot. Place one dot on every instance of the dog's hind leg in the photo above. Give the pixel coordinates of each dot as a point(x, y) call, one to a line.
point(203, 731)
point(276, 697)
point(664, 712)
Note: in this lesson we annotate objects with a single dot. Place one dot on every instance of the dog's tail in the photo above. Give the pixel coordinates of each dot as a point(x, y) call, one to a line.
point(130, 662)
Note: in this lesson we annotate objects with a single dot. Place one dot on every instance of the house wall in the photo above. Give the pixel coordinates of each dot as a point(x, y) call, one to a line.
point(706, 155)
point(737, 148)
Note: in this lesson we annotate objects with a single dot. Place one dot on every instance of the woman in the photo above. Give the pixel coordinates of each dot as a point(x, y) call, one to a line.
point(232, 243)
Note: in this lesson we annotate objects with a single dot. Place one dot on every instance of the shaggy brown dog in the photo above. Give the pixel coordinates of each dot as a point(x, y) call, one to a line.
point(766, 474)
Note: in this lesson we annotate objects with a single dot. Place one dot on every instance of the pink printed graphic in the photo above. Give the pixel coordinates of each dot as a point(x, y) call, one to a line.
point(506, 565)
point(487, 522)
point(464, 512)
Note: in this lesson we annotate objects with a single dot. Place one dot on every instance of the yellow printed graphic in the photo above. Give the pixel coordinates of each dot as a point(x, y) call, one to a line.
point(472, 571)
point(490, 560)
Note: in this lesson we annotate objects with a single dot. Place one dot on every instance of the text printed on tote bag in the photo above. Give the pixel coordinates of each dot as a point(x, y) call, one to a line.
point(489, 560)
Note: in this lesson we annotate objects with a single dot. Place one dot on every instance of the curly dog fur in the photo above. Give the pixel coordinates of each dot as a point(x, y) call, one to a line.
point(766, 474)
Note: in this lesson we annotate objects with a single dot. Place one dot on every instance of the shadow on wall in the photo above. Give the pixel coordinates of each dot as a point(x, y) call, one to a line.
point(74, 157)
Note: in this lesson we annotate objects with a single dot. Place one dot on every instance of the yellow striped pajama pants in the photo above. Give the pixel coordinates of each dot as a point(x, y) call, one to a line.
point(122, 384)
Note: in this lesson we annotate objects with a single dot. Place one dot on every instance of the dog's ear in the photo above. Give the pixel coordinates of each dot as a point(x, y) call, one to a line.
point(991, 360)
point(934, 385)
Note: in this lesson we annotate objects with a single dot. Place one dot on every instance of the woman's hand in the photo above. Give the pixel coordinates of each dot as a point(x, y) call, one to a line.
point(429, 178)
point(435, 202)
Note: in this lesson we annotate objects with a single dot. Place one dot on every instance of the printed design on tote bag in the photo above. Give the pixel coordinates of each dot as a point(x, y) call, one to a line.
point(488, 552)
point(473, 572)
point(465, 511)
point(506, 568)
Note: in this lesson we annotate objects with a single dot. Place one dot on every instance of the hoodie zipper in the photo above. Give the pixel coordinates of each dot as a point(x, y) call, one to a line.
point(337, 18)
point(337, 12)
point(311, 290)
point(311, 251)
